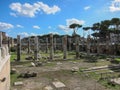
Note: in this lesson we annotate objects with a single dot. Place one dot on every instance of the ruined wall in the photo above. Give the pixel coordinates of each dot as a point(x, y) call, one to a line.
point(4, 68)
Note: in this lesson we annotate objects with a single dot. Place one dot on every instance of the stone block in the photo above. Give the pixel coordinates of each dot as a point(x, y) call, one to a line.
point(18, 83)
point(48, 88)
point(59, 85)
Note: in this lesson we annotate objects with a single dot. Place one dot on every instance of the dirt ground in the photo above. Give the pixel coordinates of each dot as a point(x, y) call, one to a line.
point(60, 71)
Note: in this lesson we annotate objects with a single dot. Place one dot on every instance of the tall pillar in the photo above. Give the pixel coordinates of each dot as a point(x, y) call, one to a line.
point(18, 48)
point(77, 46)
point(65, 47)
point(54, 44)
point(8, 44)
point(98, 46)
point(46, 44)
point(51, 47)
point(28, 45)
point(12, 42)
point(69, 39)
point(36, 49)
point(88, 45)
point(0, 39)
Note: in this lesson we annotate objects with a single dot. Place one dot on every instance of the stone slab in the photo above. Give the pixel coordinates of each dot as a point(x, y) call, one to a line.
point(18, 83)
point(116, 81)
point(58, 84)
point(48, 88)
point(33, 64)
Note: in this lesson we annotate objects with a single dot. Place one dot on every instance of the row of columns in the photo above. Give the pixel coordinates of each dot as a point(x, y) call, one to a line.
point(52, 47)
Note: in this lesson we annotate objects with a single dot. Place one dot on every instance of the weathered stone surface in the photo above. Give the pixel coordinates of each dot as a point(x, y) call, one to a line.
point(18, 83)
point(75, 69)
point(33, 64)
point(51, 47)
point(58, 85)
point(48, 88)
point(36, 49)
point(27, 75)
point(116, 81)
point(65, 47)
point(13, 71)
point(18, 48)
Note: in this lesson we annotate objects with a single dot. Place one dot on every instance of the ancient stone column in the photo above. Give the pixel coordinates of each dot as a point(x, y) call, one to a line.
point(0, 55)
point(28, 45)
point(51, 47)
point(69, 39)
point(77, 46)
point(0, 39)
point(88, 45)
point(12, 42)
point(46, 44)
point(65, 47)
point(18, 48)
point(54, 44)
point(36, 49)
point(8, 44)
point(98, 47)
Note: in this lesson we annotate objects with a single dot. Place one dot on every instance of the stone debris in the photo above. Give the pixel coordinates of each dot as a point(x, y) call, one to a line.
point(116, 81)
point(18, 83)
point(75, 69)
point(27, 75)
point(58, 85)
point(13, 71)
point(48, 87)
point(33, 64)
point(29, 58)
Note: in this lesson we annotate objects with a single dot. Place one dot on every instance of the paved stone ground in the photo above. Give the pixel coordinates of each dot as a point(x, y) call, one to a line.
point(61, 71)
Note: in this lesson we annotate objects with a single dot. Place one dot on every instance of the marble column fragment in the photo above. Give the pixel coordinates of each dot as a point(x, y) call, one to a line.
point(0, 39)
point(65, 47)
point(77, 46)
point(88, 45)
point(36, 49)
point(46, 44)
point(18, 48)
point(69, 39)
point(51, 47)
point(28, 45)
point(54, 44)
point(8, 44)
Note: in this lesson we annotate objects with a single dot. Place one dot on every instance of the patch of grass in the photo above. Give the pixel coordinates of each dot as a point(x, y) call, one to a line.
point(13, 78)
point(13, 56)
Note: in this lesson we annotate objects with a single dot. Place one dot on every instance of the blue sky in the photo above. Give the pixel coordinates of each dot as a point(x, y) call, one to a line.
point(38, 17)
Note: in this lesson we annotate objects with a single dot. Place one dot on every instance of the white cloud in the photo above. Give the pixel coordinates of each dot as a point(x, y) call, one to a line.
point(30, 10)
point(36, 27)
point(87, 7)
point(33, 34)
point(13, 14)
point(74, 20)
point(54, 32)
point(24, 34)
point(115, 6)
point(5, 26)
point(19, 26)
point(69, 22)
point(49, 27)
point(65, 28)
